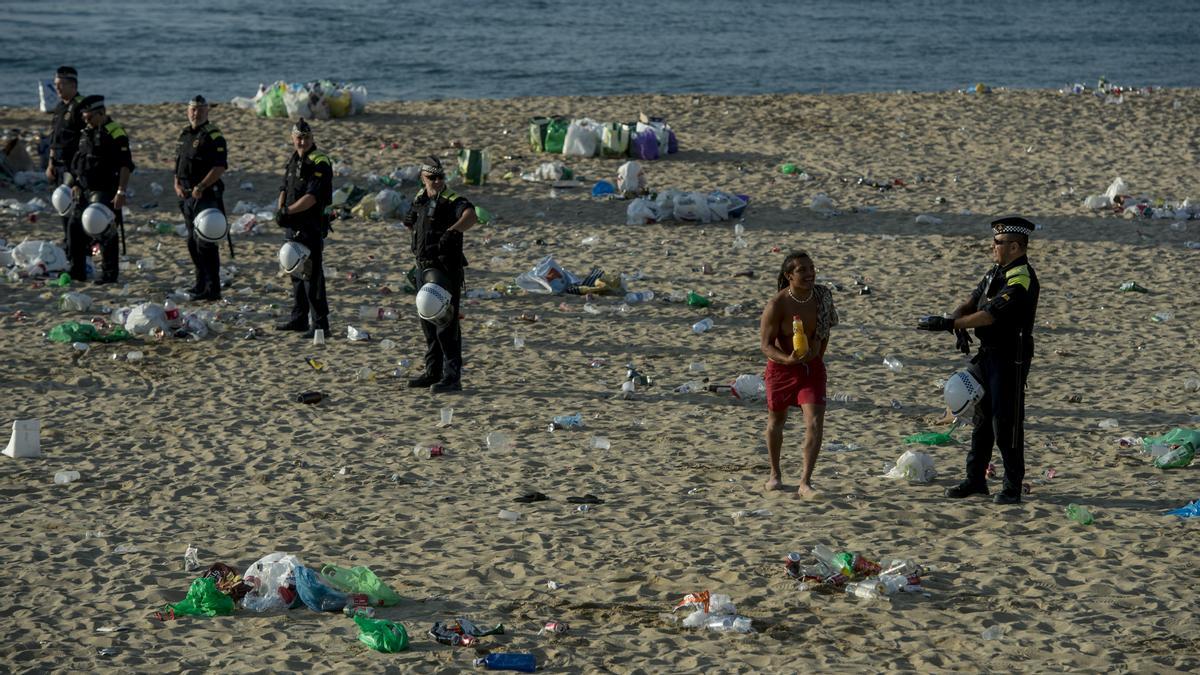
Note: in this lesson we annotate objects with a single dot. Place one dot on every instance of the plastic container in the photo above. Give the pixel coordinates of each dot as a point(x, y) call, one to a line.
point(428, 450)
point(567, 422)
point(635, 297)
point(510, 516)
point(366, 313)
point(1079, 514)
point(497, 440)
point(447, 416)
point(702, 326)
point(64, 477)
point(893, 364)
point(600, 443)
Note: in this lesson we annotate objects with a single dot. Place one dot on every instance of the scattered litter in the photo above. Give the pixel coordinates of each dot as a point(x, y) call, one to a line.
point(915, 467)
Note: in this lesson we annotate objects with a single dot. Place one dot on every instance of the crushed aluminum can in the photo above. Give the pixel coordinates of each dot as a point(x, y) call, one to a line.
point(555, 627)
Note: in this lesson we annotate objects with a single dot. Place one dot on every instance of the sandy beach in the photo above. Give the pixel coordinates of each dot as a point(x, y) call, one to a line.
point(201, 442)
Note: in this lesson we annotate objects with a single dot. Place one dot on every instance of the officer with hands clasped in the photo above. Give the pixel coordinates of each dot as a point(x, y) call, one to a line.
point(304, 197)
point(1001, 309)
point(200, 160)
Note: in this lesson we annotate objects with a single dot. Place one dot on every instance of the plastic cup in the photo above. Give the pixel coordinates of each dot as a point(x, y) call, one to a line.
point(511, 516)
point(133, 356)
point(64, 477)
point(318, 337)
point(498, 441)
point(600, 443)
point(447, 416)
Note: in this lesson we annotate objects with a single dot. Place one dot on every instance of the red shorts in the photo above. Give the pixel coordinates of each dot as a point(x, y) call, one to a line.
point(795, 385)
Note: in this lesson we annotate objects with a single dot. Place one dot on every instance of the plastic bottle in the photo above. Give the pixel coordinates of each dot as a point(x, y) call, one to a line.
point(1177, 458)
point(694, 299)
point(64, 477)
point(567, 422)
point(634, 297)
point(831, 559)
point(428, 450)
point(864, 589)
point(366, 313)
point(520, 662)
point(799, 337)
point(1079, 514)
point(677, 296)
point(171, 310)
point(1132, 286)
point(893, 364)
point(690, 387)
point(702, 326)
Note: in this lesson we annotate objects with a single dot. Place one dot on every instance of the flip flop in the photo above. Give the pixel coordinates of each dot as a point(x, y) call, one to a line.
point(531, 497)
point(586, 499)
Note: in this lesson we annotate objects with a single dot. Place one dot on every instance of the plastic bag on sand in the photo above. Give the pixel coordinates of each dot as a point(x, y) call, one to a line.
point(583, 138)
point(390, 204)
point(381, 635)
point(821, 203)
point(360, 580)
point(630, 178)
point(546, 277)
point(272, 580)
point(203, 599)
point(145, 318)
point(640, 212)
point(1117, 188)
point(916, 467)
point(84, 332)
point(317, 595)
point(749, 388)
point(693, 206)
point(1097, 202)
point(30, 251)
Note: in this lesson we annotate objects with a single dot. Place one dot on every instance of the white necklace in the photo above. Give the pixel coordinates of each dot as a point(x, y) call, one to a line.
point(793, 296)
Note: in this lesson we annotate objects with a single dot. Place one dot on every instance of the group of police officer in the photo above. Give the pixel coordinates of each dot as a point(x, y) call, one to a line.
point(90, 153)
point(90, 156)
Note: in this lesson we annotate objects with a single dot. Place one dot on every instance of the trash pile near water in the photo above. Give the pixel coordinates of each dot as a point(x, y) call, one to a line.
point(319, 99)
point(648, 139)
point(854, 573)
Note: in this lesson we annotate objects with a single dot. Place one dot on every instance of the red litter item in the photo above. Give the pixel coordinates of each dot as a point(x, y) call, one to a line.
point(1051, 473)
point(991, 471)
point(700, 599)
point(864, 567)
point(555, 627)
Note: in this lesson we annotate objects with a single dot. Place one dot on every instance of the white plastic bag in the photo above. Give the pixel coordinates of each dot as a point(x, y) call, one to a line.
point(390, 204)
point(145, 318)
point(546, 277)
point(693, 206)
point(1097, 202)
point(29, 252)
point(666, 201)
point(749, 388)
point(73, 301)
point(583, 139)
point(630, 179)
point(916, 467)
point(1117, 188)
point(47, 97)
point(721, 203)
point(266, 577)
point(640, 212)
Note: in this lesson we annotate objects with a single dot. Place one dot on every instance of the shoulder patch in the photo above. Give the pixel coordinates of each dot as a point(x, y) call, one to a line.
point(319, 158)
point(78, 98)
point(115, 130)
point(449, 195)
point(215, 134)
point(1018, 276)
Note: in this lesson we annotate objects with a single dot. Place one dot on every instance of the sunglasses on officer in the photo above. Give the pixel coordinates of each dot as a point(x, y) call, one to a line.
point(1001, 242)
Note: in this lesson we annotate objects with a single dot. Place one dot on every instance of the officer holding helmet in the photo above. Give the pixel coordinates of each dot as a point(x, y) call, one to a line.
point(438, 218)
point(1001, 309)
point(101, 170)
point(66, 130)
point(306, 193)
point(200, 160)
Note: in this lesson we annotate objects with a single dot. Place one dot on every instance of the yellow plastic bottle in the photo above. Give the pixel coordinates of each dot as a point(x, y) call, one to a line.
point(799, 337)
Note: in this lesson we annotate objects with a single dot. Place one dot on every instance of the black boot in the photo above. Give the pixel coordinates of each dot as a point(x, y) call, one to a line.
point(426, 379)
point(446, 385)
point(298, 326)
point(966, 489)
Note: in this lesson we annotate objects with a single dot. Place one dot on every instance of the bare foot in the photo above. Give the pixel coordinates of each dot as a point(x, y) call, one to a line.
point(807, 491)
point(773, 484)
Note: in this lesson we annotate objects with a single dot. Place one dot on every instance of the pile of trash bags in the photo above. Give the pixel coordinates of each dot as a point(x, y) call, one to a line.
point(312, 100)
point(648, 139)
point(696, 207)
point(1118, 198)
point(32, 258)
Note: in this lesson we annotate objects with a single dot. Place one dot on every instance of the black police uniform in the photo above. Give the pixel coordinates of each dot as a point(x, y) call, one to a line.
point(1010, 294)
point(64, 143)
point(309, 174)
point(103, 152)
point(430, 218)
point(198, 151)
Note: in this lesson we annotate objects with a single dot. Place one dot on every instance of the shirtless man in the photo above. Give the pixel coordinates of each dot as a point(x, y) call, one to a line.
point(792, 378)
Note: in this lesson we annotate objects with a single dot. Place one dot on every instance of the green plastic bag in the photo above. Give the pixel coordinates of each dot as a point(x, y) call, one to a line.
point(359, 580)
point(203, 599)
point(271, 104)
point(1176, 437)
point(474, 166)
point(931, 438)
point(381, 635)
point(73, 331)
point(537, 133)
point(482, 215)
point(556, 135)
point(62, 281)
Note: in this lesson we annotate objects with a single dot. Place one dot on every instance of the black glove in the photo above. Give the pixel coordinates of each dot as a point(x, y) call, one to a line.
point(282, 218)
point(935, 323)
point(962, 341)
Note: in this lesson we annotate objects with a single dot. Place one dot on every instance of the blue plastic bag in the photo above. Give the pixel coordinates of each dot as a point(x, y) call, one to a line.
point(1190, 511)
point(315, 594)
point(602, 188)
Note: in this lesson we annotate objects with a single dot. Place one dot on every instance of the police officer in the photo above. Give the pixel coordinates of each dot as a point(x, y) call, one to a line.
point(438, 218)
point(200, 160)
point(1001, 309)
point(67, 128)
point(101, 170)
point(306, 193)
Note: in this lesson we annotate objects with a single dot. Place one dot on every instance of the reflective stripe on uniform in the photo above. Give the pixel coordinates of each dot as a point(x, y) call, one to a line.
point(319, 158)
point(1018, 276)
point(115, 130)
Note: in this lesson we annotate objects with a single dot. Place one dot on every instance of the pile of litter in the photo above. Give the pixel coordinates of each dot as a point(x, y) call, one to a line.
point(855, 573)
point(320, 100)
point(699, 207)
point(648, 139)
point(1118, 199)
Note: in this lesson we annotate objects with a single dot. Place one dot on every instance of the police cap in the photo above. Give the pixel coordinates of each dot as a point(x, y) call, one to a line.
point(432, 166)
point(198, 101)
point(92, 103)
point(1013, 225)
point(301, 128)
point(67, 73)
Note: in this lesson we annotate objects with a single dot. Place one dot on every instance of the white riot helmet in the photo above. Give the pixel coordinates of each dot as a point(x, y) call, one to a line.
point(97, 218)
point(211, 225)
point(294, 259)
point(63, 199)
point(962, 391)
point(434, 304)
